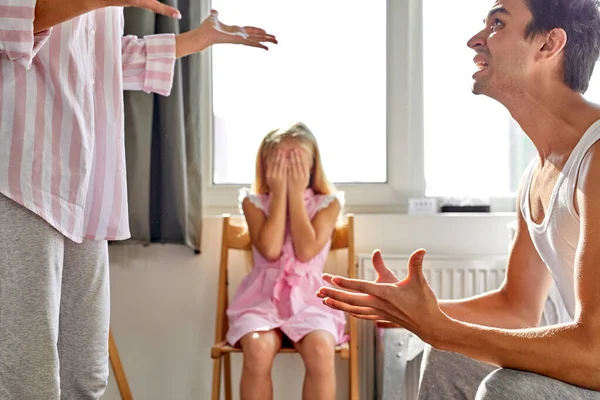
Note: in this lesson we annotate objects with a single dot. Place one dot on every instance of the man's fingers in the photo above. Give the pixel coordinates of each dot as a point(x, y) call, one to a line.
point(367, 317)
point(328, 278)
point(359, 285)
point(158, 8)
point(357, 311)
point(384, 273)
point(356, 299)
point(415, 264)
point(387, 324)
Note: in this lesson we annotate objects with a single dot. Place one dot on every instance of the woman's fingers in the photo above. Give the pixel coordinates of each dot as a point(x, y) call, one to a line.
point(157, 7)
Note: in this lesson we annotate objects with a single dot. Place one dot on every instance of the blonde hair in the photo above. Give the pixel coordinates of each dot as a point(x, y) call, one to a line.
point(300, 132)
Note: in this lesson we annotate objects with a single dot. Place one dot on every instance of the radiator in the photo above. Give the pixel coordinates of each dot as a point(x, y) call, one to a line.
point(390, 358)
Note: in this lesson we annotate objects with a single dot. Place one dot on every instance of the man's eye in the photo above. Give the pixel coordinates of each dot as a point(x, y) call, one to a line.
point(497, 24)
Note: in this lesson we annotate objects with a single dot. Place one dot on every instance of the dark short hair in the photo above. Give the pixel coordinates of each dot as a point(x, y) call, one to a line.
point(580, 19)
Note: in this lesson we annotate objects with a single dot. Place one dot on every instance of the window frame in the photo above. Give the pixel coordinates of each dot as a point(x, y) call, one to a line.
point(405, 126)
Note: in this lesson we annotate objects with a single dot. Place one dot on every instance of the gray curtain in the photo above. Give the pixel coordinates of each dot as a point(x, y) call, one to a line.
point(162, 142)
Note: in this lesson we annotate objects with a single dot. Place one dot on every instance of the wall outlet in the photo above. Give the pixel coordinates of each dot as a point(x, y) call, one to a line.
point(425, 205)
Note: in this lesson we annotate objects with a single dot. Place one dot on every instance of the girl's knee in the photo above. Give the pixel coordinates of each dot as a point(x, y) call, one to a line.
point(318, 352)
point(259, 351)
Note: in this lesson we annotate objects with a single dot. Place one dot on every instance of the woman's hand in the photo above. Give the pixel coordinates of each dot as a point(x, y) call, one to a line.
point(152, 5)
point(212, 31)
point(298, 173)
point(277, 173)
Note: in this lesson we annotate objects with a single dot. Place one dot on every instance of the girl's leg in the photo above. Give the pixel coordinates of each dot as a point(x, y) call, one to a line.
point(259, 350)
point(318, 352)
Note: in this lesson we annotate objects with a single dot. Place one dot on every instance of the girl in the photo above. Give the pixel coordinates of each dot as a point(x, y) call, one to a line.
point(291, 212)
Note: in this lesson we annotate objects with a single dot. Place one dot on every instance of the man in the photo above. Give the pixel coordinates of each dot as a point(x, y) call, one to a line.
point(63, 67)
point(536, 58)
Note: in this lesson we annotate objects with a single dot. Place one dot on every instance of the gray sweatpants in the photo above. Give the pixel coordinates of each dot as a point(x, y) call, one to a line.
point(54, 311)
point(451, 376)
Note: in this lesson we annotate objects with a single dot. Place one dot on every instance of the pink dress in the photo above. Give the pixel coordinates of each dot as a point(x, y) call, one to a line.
point(282, 293)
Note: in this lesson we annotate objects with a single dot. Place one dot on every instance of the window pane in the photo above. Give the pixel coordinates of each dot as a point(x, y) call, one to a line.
point(472, 145)
point(329, 71)
point(467, 138)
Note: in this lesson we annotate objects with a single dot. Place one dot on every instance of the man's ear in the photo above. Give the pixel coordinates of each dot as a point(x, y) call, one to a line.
point(553, 44)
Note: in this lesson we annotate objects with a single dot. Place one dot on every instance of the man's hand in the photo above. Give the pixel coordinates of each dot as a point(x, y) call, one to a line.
point(384, 274)
point(212, 31)
point(409, 303)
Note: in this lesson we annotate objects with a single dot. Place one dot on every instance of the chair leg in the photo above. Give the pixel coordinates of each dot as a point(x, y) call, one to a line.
point(227, 366)
point(118, 370)
point(354, 387)
point(216, 384)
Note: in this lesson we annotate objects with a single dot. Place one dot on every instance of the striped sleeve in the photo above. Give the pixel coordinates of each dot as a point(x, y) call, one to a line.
point(17, 40)
point(149, 63)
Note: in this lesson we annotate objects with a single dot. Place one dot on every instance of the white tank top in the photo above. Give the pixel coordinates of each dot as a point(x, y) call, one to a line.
point(557, 237)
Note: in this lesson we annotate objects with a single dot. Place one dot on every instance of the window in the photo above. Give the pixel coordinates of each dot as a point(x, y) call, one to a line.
point(328, 71)
point(472, 145)
point(385, 87)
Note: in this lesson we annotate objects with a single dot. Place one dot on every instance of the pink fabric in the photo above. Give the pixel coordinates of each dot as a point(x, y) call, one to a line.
point(282, 293)
point(62, 150)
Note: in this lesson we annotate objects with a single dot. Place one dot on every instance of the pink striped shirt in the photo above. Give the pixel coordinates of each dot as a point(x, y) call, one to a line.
point(62, 149)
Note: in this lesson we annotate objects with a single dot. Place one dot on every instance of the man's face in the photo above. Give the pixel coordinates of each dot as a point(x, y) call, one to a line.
point(504, 57)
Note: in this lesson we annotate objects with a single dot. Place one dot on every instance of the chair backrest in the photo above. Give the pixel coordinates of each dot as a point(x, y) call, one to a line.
point(235, 236)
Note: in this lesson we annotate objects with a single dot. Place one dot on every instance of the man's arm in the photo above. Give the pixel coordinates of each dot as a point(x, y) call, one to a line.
point(568, 352)
point(49, 13)
point(519, 302)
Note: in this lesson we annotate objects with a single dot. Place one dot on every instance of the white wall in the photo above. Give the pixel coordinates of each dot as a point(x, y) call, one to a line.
point(164, 297)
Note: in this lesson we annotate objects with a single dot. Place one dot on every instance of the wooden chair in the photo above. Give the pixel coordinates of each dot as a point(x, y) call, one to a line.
point(117, 366)
point(236, 237)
